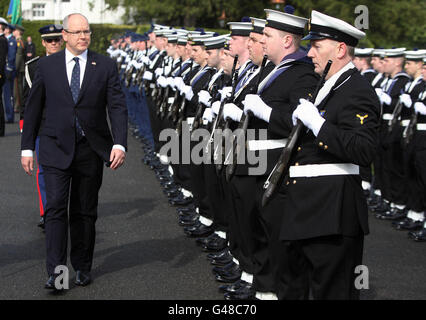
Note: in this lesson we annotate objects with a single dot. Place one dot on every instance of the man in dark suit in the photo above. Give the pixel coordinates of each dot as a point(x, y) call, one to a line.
point(3, 56)
point(68, 101)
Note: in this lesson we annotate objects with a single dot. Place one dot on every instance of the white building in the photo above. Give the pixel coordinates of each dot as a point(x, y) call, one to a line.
point(94, 10)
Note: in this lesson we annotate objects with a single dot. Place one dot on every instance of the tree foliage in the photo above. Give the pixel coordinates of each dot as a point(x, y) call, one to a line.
point(391, 22)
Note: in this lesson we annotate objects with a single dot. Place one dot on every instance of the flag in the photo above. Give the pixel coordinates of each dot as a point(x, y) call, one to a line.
point(15, 12)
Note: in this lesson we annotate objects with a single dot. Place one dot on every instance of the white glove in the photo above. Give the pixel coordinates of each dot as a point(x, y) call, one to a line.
point(216, 107)
point(146, 60)
point(406, 100)
point(167, 69)
point(420, 108)
point(169, 81)
point(147, 75)
point(162, 81)
point(204, 97)
point(255, 104)
point(231, 111)
point(178, 81)
point(383, 96)
point(208, 114)
point(187, 90)
point(309, 115)
point(225, 92)
point(158, 72)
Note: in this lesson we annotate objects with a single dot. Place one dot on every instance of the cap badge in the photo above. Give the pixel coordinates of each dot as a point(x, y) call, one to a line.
point(51, 28)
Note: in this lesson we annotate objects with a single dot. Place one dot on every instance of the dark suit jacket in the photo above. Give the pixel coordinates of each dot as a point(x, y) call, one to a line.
point(100, 91)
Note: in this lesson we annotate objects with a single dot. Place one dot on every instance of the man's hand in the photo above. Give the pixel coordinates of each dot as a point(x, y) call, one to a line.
point(117, 158)
point(309, 115)
point(255, 104)
point(27, 163)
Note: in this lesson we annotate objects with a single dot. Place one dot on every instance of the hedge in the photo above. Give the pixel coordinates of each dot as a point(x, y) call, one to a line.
point(102, 33)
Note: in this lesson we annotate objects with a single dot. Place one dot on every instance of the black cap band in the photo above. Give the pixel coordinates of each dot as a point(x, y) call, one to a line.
point(318, 32)
point(284, 27)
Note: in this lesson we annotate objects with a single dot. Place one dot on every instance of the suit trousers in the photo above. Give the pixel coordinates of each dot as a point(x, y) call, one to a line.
point(77, 187)
point(323, 266)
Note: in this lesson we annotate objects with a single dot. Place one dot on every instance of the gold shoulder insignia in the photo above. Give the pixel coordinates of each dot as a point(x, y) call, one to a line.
point(361, 118)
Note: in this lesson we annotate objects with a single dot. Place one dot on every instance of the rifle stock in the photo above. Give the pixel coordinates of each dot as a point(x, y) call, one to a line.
point(281, 168)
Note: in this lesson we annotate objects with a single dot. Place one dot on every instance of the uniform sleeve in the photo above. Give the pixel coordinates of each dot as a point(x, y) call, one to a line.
point(354, 138)
point(280, 121)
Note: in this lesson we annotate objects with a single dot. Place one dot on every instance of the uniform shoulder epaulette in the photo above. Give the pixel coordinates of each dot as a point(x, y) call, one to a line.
point(32, 60)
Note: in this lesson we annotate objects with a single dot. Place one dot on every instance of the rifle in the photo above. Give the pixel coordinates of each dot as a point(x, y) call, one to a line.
point(408, 133)
point(395, 115)
point(200, 108)
point(219, 115)
point(174, 108)
point(282, 166)
point(236, 147)
point(225, 123)
point(164, 103)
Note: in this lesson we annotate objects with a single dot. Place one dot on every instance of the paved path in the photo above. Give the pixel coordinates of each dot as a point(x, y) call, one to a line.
point(142, 253)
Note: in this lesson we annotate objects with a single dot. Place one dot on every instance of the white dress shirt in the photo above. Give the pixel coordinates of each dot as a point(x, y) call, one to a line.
point(70, 63)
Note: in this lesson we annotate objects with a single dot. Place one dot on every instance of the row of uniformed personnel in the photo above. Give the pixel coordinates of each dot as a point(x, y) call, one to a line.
point(308, 239)
point(399, 180)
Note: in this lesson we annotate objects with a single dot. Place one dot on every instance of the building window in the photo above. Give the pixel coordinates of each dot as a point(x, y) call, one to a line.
point(38, 9)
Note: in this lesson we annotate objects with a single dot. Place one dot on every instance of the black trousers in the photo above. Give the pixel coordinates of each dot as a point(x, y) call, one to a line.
point(323, 265)
point(77, 186)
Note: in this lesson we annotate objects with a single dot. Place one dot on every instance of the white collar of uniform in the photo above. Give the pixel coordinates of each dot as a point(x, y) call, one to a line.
point(69, 56)
point(414, 83)
point(243, 67)
point(326, 88)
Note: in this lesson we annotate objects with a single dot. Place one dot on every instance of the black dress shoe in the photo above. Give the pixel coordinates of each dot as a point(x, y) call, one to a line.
point(407, 224)
point(233, 287)
point(50, 284)
point(203, 241)
point(200, 231)
point(247, 293)
point(230, 267)
point(216, 244)
point(180, 200)
point(392, 214)
point(189, 220)
point(41, 223)
point(381, 207)
point(82, 278)
point(189, 208)
point(219, 255)
point(221, 261)
point(419, 236)
point(229, 277)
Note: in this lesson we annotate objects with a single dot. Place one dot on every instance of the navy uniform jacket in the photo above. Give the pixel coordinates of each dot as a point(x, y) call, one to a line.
point(334, 205)
point(283, 95)
point(100, 91)
point(3, 55)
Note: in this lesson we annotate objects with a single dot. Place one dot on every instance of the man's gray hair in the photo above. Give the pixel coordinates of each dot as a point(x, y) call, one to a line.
point(65, 21)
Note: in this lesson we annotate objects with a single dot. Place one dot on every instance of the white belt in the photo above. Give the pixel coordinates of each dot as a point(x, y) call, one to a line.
point(421, 126)
point(328, 169)
point(254, 145)
point(405, 123)
point(387, 116)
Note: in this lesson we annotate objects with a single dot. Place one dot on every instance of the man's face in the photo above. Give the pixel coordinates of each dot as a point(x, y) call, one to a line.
point(171, 49)
point(198, 54)
point(271, 42)
point(152, 37)
point(52, 45)
point(213, 57)
point(237, 45)
point(424, 72)
point(226, 62)
point(17, 33)
point(375, 61)
point(358, 63)
point(79, 42)
point(389, 65)
point(255, 48)
point(141, 45)
point(180, 50)
point(412, 67)
point(29, 40)
point(321, 51)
